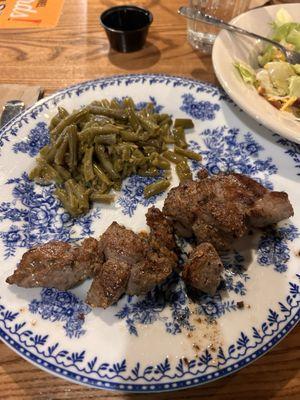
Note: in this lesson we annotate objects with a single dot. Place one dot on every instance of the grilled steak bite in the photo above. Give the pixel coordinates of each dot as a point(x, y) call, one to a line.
point(222, 208)
point(109, 284)
point(270, 209)
point(180, 205)
point(119, 243)
point(161, 228)
point(157, 265)
point(148, 258)
point(89, 255)
point(54, 264)
point(133, 263)
point(203, 269)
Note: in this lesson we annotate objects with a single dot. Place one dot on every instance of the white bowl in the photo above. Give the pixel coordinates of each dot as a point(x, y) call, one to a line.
point(230, 47)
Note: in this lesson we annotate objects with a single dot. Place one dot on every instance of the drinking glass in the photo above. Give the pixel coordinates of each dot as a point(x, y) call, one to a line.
point(201, 36)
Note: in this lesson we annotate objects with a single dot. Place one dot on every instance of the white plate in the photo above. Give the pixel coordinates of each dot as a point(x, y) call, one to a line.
point(230, 47)
point(153, 343)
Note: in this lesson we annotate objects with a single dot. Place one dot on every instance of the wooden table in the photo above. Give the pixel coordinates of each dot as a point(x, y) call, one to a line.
point(77, 50)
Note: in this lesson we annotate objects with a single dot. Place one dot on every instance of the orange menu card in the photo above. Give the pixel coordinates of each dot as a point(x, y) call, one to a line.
point(29, 13)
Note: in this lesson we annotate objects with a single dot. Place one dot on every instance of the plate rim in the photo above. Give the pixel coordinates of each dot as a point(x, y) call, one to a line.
point(148, 387)
point(131, 387)
point(286, 132)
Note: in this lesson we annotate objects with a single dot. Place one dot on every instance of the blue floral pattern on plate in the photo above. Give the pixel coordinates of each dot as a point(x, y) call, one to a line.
point(38, 138)
point(273, 247)
point(202, 110)
point(55, 305)
point(230, 150)
point(39, 216)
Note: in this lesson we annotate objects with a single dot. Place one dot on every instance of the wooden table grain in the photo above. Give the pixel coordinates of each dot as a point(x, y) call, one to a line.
point(77, 50)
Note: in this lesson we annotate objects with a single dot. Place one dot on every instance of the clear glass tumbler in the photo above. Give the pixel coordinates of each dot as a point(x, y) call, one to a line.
point(201, 36)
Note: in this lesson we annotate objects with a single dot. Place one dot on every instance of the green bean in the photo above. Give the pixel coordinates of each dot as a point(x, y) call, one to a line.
point(64, 198)
point(130, 136)
point(153, 155)
point(156, 188)
point(115, 104)
point(105, 103)
point(73, 147)
point(72, 200)
point(44, 173)
point(153, 142)
point(117, 185)
point(105, 162)
point(102, 188)
point(174, 158)
point(77, 198)
point(89, 134)
point(128, 169)
point(102, 198)
point(61, 114)
point(179, 137)
point(88, 124)
point(128, 102)
point(159, 162)
point(147, 124)
point(164, 147)
point(82, 195)
point(183, 171)
point(69, 120)
point(45, 150)
point(106, 139)
point(168, 139)
point(87, 161)
point(125, 153)
point(137, 154)
point(118, 165)
point(164, 130)
point(184, 123)
point(149, 109)
point(187, 153)
point(133, 120)
point(163, 118)
point(149, 150)
point(49, 153)
point(120, 115)
point(61, 151)
point(101, 175)
point(64, 173)
point(149, 171)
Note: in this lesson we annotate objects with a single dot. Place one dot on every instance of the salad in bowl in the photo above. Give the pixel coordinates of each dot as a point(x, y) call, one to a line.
point(274, 78)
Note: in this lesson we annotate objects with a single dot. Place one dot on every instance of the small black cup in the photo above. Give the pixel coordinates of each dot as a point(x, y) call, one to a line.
point(126, 27)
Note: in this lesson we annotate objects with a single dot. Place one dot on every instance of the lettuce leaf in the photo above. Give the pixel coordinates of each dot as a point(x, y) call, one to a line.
point(294, 38)
point(264, 81)
point(296, 68)
point(279, 73)
point(281, 33)
point(268, 55)
point(282, 17)
point(246, 72)
point(294, 86)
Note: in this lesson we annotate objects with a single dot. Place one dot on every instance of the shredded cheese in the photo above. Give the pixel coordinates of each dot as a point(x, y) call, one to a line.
point(288, 103)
